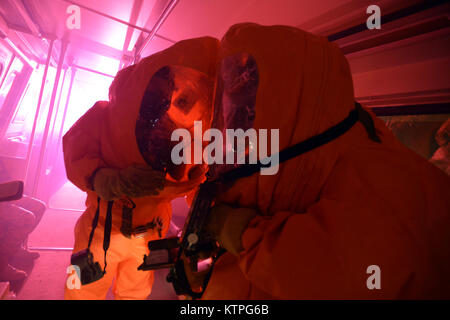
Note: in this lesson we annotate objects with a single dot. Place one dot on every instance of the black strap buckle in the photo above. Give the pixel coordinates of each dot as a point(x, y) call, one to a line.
point(127, 217)
point(155, 224)
point(139, 231)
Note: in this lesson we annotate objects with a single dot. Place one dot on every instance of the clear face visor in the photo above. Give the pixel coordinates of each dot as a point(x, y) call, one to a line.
point(236, 92)
point(235, 103)
point(175, 98)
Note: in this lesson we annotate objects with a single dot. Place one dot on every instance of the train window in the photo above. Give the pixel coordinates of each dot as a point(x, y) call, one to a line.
point(6, 58)
point(417, 132)
point(87, 89)
point(21, 123)
point(15, 69)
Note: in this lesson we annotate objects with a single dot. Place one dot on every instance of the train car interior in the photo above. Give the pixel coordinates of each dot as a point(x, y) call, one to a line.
point(58, 57)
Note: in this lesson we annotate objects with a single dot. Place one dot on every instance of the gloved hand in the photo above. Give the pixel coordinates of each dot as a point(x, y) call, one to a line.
point(133, 182)
point(226, 224)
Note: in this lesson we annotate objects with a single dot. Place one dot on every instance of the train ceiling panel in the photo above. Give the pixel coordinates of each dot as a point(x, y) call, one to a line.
point(97, 34)
point(51, 16)
point(104, 28)
point(193, 18)
point(189, 18)
point(114, 28)
point(12, 16)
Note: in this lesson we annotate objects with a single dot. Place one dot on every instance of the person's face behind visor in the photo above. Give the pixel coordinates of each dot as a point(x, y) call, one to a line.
point(191, 99)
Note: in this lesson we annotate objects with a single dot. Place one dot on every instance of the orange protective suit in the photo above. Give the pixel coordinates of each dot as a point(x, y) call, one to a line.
point(105, 137)
point(329, 214)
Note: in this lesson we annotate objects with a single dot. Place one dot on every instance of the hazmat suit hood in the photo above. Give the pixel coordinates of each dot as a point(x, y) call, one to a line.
point(300, 84)
point(329, 213)
point(140, 98)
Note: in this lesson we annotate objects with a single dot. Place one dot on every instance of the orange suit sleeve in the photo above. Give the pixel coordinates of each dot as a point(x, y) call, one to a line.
point(278, 257)
point(324, 253)
point(81, 147)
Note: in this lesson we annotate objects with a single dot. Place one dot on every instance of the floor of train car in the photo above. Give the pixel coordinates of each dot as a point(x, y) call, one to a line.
point(46, 278)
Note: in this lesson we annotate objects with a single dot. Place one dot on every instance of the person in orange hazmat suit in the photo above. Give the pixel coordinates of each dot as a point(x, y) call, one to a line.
point(118, 152)
point(360, 217)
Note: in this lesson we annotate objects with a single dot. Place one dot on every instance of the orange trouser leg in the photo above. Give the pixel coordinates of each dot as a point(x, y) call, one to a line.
point(96, 290)
point(123, 258)
point(133, 284)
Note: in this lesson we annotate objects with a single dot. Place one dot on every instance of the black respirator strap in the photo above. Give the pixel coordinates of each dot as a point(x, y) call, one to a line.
point(107, 233)
point(357, 114)
point(94, 222)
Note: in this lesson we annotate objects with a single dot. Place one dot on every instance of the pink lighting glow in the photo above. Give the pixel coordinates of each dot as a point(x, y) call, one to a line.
point(52, 74)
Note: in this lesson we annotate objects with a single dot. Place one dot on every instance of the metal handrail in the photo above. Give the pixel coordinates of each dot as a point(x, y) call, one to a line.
point(117, 20)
